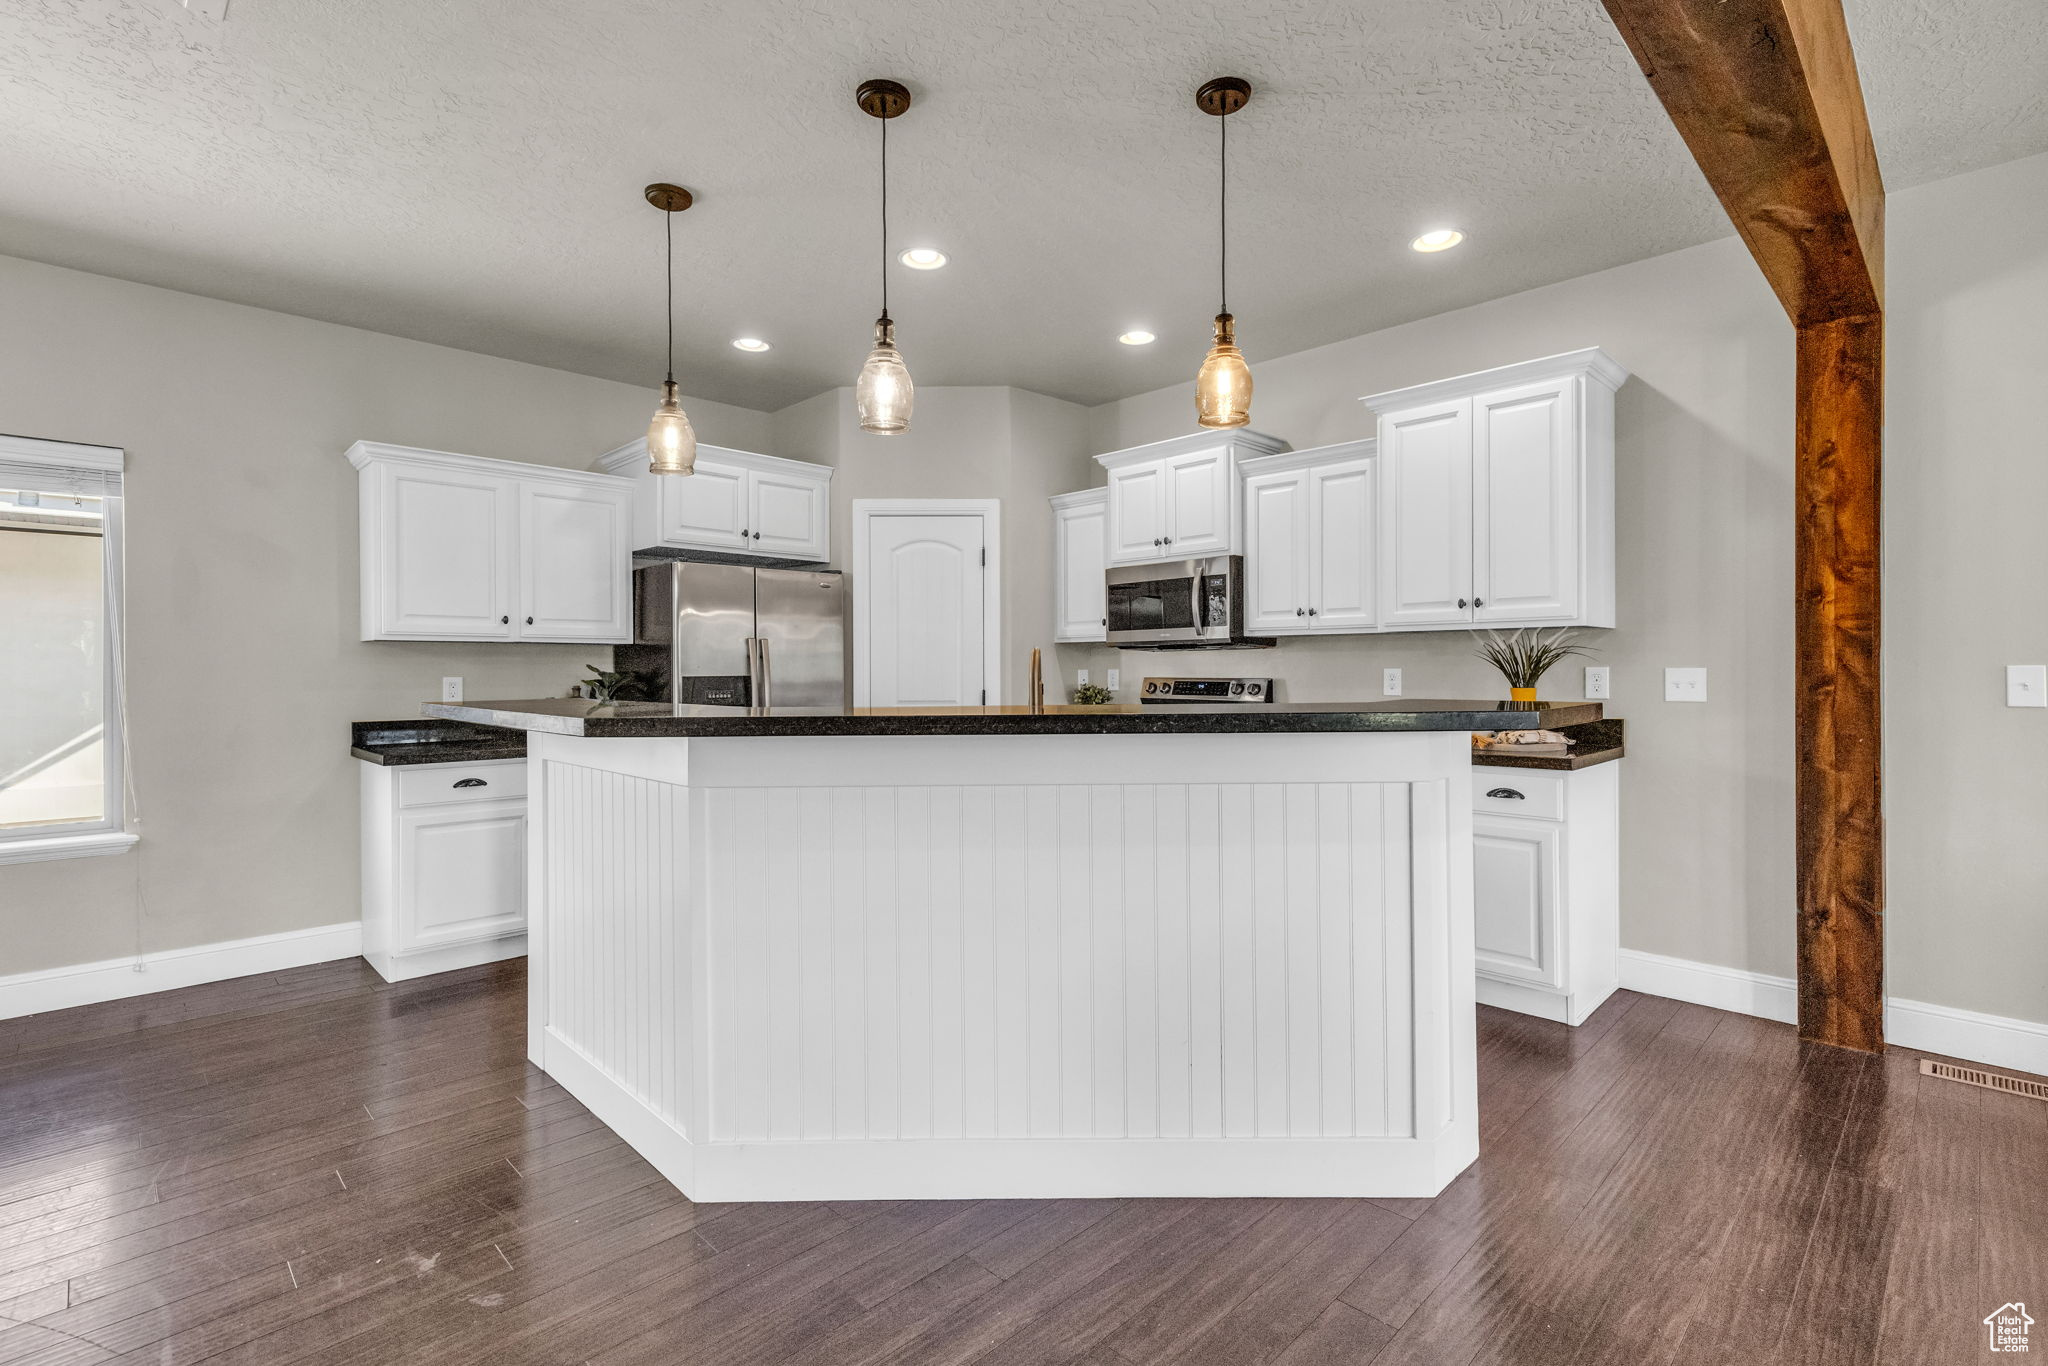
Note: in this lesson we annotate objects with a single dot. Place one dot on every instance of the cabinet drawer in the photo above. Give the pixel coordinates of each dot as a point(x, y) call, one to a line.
point(440, 784)
point(1518, 792)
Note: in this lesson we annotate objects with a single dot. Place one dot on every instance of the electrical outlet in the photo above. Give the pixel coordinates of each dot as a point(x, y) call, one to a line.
point(2026, 685)
point(1115, 681)
point(1390, 682)
point(451, 690)
point(1685, 685)
point(1080, 678)
point(1596, 682)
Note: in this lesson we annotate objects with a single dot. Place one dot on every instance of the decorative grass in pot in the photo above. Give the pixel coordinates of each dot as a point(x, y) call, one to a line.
point(1093, 695)
point(1524, 656)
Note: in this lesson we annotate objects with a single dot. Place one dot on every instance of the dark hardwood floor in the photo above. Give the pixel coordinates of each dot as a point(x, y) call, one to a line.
point(319, 1168)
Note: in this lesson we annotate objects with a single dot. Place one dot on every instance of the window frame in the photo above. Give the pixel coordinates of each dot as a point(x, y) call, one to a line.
point(110, 834)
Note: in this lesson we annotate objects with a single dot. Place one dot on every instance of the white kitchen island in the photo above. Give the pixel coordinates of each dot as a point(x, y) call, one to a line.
point(837, 956)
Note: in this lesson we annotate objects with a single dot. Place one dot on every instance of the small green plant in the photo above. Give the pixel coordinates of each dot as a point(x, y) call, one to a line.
point(1525, 656)
point(1093, 695)
point(604, 685)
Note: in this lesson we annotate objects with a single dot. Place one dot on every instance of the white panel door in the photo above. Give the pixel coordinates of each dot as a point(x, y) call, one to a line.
point(925, 622)
point(1137, 514)
point(1341, 535)
point(1199, 503)
point(1425, 548)
point(787, 515)
point(575, 564)
point(707, 508)
point(462, 874)
point(1525, 504)
point(1515, 898)
point(1276, 554)
point(446, 537)
point(1079, 547)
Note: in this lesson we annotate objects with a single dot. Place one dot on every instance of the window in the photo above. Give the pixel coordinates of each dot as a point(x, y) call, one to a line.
point(62, 788)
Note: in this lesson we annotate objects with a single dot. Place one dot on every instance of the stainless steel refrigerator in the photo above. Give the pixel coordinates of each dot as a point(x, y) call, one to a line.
point(732, 635)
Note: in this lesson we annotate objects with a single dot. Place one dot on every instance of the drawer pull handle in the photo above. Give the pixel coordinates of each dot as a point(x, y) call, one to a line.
point(1507, 792)
point(472, 782)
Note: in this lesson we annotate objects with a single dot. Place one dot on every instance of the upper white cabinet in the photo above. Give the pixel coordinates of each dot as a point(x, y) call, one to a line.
point(1080, 548)
point(1496, 497)
point(457, 547)
point(737, 502)
point(1179, 499)
point(1309, 528)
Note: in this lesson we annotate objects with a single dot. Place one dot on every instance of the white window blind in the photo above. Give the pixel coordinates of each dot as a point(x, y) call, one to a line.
point(60, 467)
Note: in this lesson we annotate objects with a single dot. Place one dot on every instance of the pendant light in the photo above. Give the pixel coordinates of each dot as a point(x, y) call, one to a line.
point(1223, 387)
point(671, 441)
point(882, 396)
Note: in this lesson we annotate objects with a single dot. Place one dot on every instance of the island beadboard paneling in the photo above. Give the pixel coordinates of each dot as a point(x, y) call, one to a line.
point(1138, 961)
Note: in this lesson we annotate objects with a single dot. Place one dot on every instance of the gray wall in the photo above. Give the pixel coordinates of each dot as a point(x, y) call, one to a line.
point(1704, 512)
point(243, 661)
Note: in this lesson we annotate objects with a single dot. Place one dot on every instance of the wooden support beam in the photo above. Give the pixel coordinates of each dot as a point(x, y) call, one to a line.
point(1765, 94)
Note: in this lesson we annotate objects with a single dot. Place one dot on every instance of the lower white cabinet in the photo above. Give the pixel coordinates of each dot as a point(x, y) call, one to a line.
point(1546, 888)
point(1080, 531)
point(444, 865)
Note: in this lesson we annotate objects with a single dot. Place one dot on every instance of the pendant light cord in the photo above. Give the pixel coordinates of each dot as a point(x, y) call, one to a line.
point(885, 218)
point(669, 298)
point(1223, 215)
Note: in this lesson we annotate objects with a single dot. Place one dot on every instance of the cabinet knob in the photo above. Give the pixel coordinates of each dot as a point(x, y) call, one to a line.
point(472, 782)
point(1168, 540)
point(1311, 611)
point(1479, 602)
point(1299, 612)
point(1461, 602)
point(1155, 540)
point(504, 621)
point(529, 621)
point(743, 533)
point(757, 535)
point(1506, 794)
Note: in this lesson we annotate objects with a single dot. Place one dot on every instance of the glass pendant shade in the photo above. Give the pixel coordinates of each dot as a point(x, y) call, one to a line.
point(883, 394)
point(1223, 387)
point(671, 441)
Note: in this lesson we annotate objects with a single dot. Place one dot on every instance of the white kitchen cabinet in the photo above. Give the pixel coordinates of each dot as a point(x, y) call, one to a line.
point(457, 547)
point(444, 865)
point(1309, 533)
point(1546, 888)
point(1180, 499)
point(736, 502)
point(1496, 497)
point(1079, 554)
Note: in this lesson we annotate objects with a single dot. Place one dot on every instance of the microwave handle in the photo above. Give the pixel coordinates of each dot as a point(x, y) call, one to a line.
point(1201, 603)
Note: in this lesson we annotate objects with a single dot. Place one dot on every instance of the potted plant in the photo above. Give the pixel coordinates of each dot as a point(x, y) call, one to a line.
point(1093, 695)
point(604, 685)
point(1525, 656)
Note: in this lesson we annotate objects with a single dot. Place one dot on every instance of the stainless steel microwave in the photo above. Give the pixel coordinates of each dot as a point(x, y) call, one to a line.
point(1179, 605)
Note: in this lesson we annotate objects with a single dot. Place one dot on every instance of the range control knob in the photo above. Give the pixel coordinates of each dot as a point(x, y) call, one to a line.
point(1237, 689)
point(1257, 688)
point(1151, 687)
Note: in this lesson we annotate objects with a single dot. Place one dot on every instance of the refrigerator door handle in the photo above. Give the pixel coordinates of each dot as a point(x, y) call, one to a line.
point(767, 677)
point(753, 671)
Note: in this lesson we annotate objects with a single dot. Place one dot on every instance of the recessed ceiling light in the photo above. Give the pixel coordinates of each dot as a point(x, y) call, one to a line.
point(923, 258)
point(1443, 239)
point(1137, 337)
point(749, 344)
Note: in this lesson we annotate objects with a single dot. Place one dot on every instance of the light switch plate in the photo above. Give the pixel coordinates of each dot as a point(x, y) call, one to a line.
point(1080, 678)
point(1390, 682)
point(451, 690)
point(1115, 681)
point(1596, 682)
point(1685, 685)
point(2026, 685)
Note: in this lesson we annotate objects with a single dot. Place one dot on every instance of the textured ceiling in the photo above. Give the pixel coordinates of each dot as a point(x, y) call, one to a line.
point(468, 171)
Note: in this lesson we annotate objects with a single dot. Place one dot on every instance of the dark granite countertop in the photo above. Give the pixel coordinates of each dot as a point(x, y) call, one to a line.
point(1594, 742)
point(433, 740)
point(575, 716)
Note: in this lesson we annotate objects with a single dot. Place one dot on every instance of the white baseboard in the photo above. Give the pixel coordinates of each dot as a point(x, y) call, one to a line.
point(84, 984)
point(1995, 1040)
